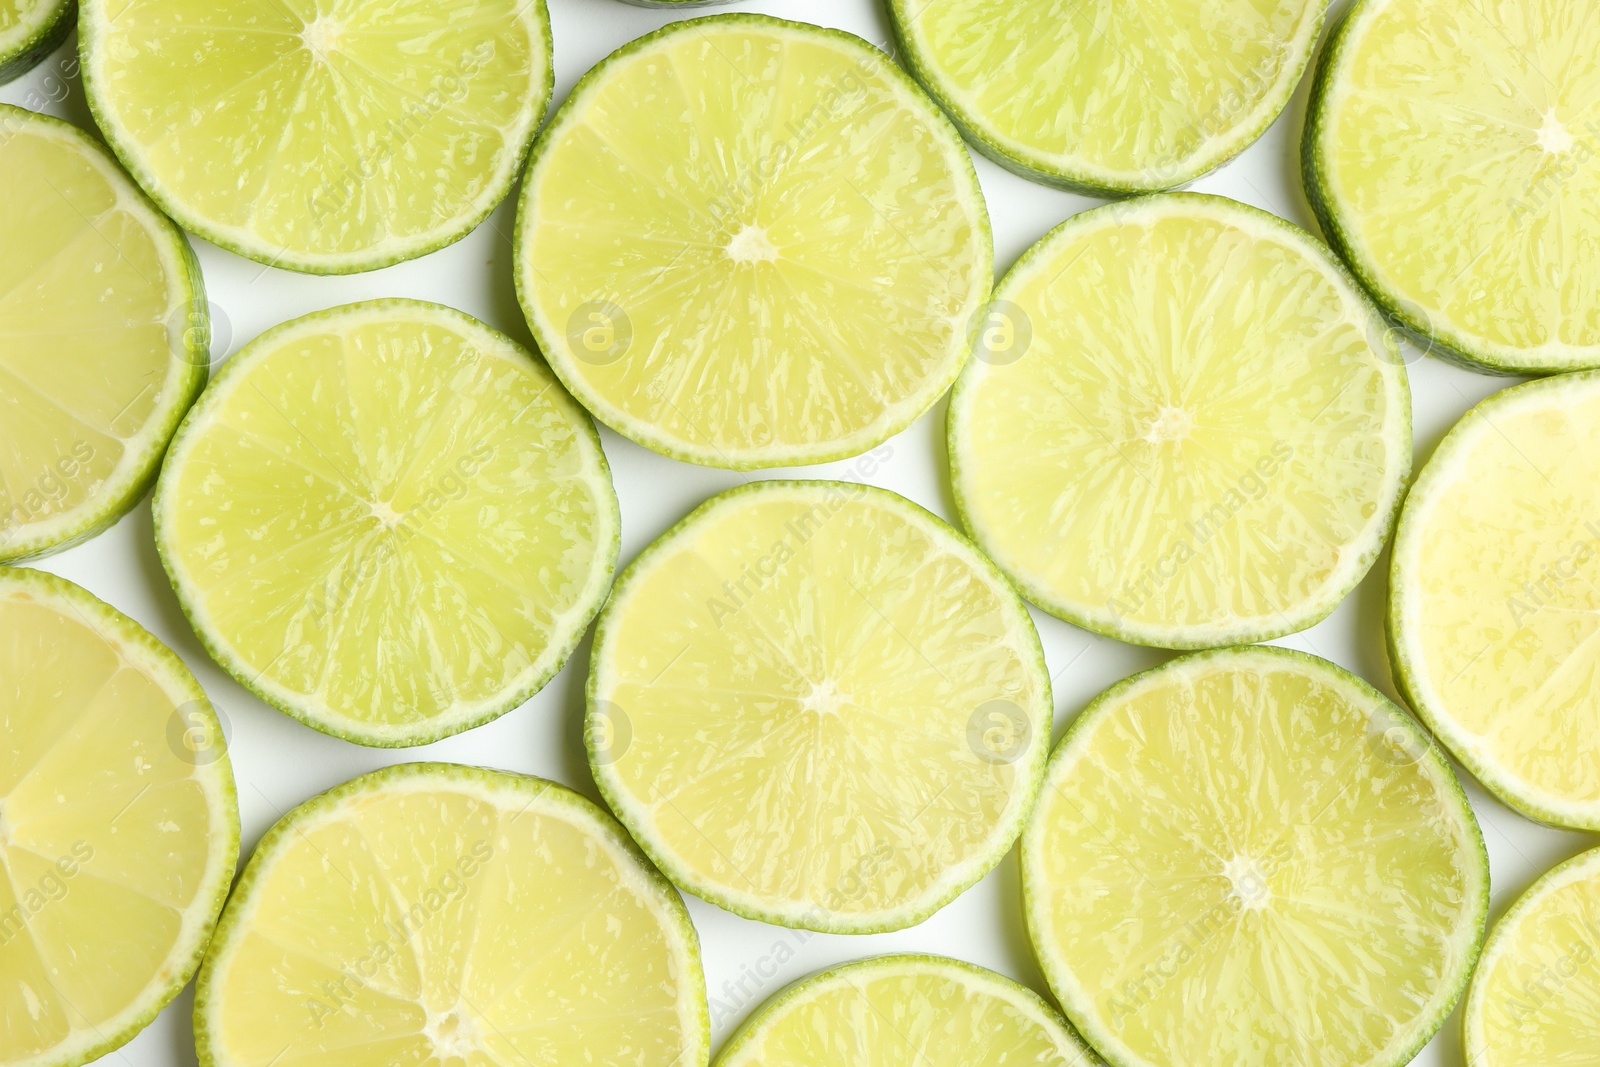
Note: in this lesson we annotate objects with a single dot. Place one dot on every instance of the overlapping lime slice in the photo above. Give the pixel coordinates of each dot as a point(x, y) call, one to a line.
point(328, 136)
point(815, 704)
point(1247, 858)
point(747, 243)
point(119, 829)
point(29, 31)
point(1450, 156)
point(388, 521)
point(447, 915)
point(103, 336)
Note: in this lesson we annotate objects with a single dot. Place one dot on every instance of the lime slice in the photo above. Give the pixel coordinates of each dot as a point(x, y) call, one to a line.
point(104, 338)
point(1110, 96)
point(748, 243)
point(388, 521)
point(1449, 154)
point(1493, 591)
point(1533, 999)
point(435, 914)
point(1184, 426)
point(119, 830)
point(1251, 857)
point(905, 1011)
point(815, 704)
point(29, 31)
point(325, 136)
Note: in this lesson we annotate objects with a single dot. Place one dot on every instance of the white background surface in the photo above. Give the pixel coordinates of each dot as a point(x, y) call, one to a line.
point(280, 763)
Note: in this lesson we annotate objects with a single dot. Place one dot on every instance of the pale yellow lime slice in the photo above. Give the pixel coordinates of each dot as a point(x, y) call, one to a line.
point(119, 831)
point(433, 914)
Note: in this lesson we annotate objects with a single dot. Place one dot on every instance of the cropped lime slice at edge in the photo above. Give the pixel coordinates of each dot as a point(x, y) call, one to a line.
point(29, 31)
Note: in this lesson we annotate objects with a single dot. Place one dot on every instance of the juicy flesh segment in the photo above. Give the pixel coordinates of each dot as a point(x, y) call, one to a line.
point(790, 242)
point(387, 520)
point(1461, 150)
point(802, 688)
point(1233, 867)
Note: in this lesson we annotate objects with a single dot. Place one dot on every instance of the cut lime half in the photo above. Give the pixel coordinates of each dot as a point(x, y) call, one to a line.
point(1183, 425)
point(745, 242)
point(1110, 96)
point(104, 337)
point(815, 704)
point(1494, 597)
point(1248, 858)
point(388, 521)
point(29, 31)
point(1535, 999)
point(433, 914)
point(906, 1011)
point(119, 829)
point(1450, 156)
point(328, 136)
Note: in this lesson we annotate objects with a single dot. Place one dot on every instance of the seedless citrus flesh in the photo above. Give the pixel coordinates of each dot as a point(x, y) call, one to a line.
point(388, 521)
point(1493, 597)
point(905, 1011)
point(813, 703)
point(119, 828)
point(745, 242)
point(433, 913)
point(1112, 96)
point(1535, 995)
point(103, 336)
point(1449, 155)
point(1183, 425)
point(29, 31)
point(327, 136)
point(1249, 856)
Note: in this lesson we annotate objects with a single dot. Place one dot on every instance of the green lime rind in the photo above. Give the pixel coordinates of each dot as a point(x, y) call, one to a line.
point(552, 343)
point(1028, 1003)
point(816, 918)
point(28, 49)
point(163, 666)
point(669, 906)
point(90, 45)
point(1407, 675)
point(137, 473)
point(1312, 612)
point(1087, 1022)
point(163, 503)
point(1037, 167)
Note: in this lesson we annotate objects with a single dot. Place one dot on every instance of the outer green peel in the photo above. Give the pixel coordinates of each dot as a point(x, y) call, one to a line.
point(29, 31)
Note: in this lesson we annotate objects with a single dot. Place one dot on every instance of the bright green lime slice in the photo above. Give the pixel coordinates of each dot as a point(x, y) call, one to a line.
point(815, 704)
point(1250, 858)
point(328, 136)
point(1183, 426)
point(447, 916)
point(905, 1011)
point(119, 830)
point(29, 31)
point(1493, 597)
point(1114, 96)
point(103, 336)
point(1450, 155)
point(1535, 1000)
point(747, 243)
point(388, 521)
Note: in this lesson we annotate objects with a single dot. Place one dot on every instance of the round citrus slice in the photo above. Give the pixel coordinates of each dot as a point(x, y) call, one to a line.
point(325, 136)
point(1109, 96)
point(1251, 857)
point(388, 521)
point(1533, 999)
point(905, 1011)
point(815, 704)
point(1449, 154)
point(104, 338)
point(119, 829)
point(29, 31)
point(1183, 426)
point(433, 913)
point(1493, 595)
point(745, 242)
